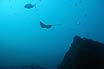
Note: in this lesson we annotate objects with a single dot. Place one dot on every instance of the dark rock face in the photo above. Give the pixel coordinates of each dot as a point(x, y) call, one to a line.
point(31, 66)
point(84, 54)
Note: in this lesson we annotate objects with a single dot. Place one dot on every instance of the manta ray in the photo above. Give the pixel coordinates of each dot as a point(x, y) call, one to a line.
point(47, 26)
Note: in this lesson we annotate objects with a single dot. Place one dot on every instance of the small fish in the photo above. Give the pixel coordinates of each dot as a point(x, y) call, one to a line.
point(47, 26)
point(29, 6)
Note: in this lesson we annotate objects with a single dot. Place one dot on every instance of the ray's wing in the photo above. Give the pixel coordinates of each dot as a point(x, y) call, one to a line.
point(48, 26)
point(42, 25)
point(45, 26)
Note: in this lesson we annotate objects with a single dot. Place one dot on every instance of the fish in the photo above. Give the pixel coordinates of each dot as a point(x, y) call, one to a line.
point(45, 26)
point(29, 6)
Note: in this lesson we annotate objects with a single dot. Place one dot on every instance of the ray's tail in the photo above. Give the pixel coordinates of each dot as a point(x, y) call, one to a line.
point(57, 24)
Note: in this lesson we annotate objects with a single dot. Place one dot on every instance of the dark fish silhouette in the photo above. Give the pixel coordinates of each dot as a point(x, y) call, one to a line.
point(29, 6)
point(47, 26)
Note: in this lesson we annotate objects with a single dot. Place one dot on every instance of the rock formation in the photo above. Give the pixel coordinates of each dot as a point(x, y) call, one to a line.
point(83, 54)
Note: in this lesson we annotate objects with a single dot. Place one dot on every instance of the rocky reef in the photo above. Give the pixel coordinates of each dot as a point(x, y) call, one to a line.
point(31, 66)
point(83, 54)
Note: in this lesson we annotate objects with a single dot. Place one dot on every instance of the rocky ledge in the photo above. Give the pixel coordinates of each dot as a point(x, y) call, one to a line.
point(83, 54)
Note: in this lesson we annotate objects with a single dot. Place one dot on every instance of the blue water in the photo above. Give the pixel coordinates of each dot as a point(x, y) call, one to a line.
point(23, 41)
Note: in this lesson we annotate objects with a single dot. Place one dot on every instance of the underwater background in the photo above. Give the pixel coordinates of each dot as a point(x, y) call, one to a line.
point(24, 41)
